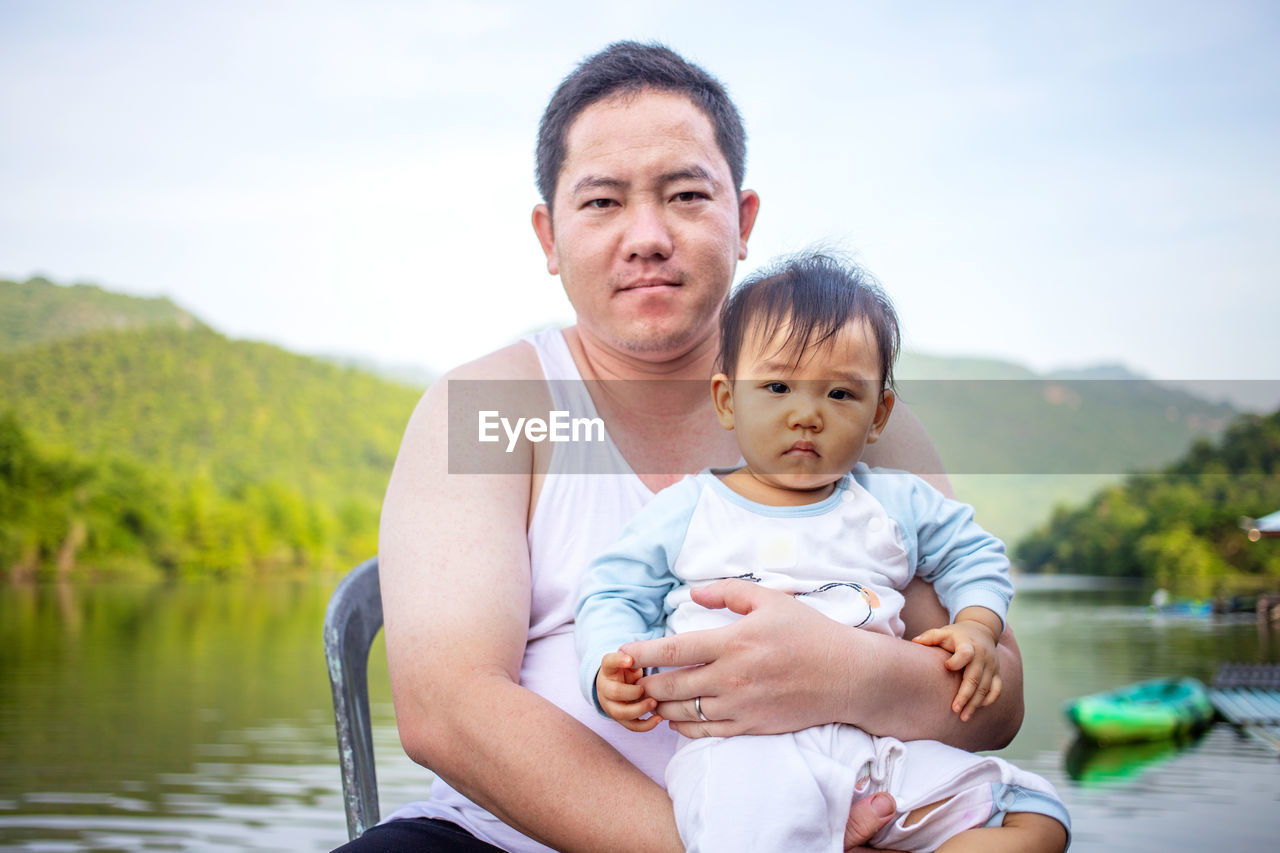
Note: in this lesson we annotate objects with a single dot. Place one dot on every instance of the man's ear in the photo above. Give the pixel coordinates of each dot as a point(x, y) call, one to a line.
point(546, 236)
point(883, 409)
point(722, 397)
point(748, 207)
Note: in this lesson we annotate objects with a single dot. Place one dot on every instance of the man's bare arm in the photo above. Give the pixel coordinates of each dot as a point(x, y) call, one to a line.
point(454, 567)
point(991, 727)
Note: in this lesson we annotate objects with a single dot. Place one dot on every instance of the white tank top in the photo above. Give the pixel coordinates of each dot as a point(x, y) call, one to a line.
point(576, 517)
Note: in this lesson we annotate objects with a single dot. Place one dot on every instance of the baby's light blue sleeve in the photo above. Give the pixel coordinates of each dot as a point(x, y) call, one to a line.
point(622, 597)
point(966, 565)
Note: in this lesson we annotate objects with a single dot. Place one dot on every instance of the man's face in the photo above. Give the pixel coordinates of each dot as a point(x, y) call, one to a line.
point(803, 426)
point(648, 227)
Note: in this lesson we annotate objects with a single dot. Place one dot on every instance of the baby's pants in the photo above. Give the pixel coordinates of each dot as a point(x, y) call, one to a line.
point(792, 792)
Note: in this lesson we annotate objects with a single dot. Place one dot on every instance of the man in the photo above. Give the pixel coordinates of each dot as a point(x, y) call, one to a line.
point(644, 219)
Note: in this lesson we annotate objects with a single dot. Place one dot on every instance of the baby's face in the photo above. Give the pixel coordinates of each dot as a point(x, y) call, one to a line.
point(804, 426)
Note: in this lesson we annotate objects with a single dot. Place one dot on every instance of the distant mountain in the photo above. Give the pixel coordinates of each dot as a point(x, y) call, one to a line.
point(195, 402)
point(403, 374)
point(1096, 371)
point(915, 365)
point(165, 443)
point(1016, 443)
point(1258, 396)
point(1057, 426)
point(38, 310)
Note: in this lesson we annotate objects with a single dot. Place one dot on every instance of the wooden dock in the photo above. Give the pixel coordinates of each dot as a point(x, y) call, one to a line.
point(1248, 697)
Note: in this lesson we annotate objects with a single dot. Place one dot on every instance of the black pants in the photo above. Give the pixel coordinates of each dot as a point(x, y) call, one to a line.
point(419, 833)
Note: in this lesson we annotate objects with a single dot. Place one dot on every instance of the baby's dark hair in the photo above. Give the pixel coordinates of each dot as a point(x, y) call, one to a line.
point(816, 295)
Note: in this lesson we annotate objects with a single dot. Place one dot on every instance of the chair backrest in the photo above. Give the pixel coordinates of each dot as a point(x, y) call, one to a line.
point(352, 621)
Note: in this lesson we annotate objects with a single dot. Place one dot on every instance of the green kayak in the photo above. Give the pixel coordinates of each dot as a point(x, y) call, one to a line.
point(1148, 710)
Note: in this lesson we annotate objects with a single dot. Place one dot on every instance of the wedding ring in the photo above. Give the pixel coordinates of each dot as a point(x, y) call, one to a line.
point(697, 706)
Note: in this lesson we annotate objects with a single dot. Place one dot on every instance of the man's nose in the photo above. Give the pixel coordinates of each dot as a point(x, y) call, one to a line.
point(647, 233)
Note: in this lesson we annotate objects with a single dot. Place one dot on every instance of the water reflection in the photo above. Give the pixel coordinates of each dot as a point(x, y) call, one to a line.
point(197, 717)
point(166, 717)
point(1095, 766)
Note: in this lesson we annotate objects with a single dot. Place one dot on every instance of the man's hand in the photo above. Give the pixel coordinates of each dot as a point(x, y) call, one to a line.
point(971, 639)
point(621, 697)
point(768, 672)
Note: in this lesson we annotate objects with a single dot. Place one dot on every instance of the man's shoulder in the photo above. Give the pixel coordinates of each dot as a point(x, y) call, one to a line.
point(516, 361)
point(509, 378)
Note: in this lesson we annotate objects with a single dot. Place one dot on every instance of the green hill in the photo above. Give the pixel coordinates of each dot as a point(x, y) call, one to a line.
point(1180, 525)
point(194, 402)
point(176, 447)
point(38, 310)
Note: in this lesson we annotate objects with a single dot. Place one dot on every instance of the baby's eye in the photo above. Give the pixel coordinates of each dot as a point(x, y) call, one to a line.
point(777, 387)
point(841, 394)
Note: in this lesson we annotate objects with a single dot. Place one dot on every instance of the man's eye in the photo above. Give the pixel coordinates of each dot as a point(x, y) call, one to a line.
point(777, 387)
point(600, 203)
point(690, 195)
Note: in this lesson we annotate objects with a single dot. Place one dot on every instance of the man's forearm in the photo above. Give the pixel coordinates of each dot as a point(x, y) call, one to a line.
point(903, 690)
point(547, 775)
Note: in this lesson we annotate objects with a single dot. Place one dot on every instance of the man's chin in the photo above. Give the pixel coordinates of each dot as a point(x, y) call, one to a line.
point(659, 343)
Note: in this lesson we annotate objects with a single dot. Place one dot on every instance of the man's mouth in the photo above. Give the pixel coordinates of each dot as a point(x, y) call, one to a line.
point(648, 284)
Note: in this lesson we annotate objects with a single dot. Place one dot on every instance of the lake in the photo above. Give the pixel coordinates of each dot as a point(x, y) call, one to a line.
point(197, 716)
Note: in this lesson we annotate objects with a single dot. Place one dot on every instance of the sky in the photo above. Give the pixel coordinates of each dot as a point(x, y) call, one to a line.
point(1059, 184)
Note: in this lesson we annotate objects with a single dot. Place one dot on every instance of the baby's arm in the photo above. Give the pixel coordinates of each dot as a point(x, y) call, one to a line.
point(972, 640)
point(623, 593)
point(619, 695)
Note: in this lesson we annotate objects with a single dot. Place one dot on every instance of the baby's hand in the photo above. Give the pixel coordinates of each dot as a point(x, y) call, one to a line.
point(620, 696)
point(972, 642)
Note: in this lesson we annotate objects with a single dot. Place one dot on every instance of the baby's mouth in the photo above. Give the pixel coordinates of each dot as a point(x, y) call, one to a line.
point(802, 448)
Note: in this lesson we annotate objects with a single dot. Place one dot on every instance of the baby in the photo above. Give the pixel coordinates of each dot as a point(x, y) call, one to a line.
point(807, 355)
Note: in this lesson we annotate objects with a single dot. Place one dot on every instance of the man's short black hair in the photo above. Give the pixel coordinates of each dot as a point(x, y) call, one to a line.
point(628, 67)
point(815, 296)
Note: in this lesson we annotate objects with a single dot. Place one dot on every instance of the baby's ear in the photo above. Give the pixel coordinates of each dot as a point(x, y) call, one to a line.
point(883, 409)
point(722, 397)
